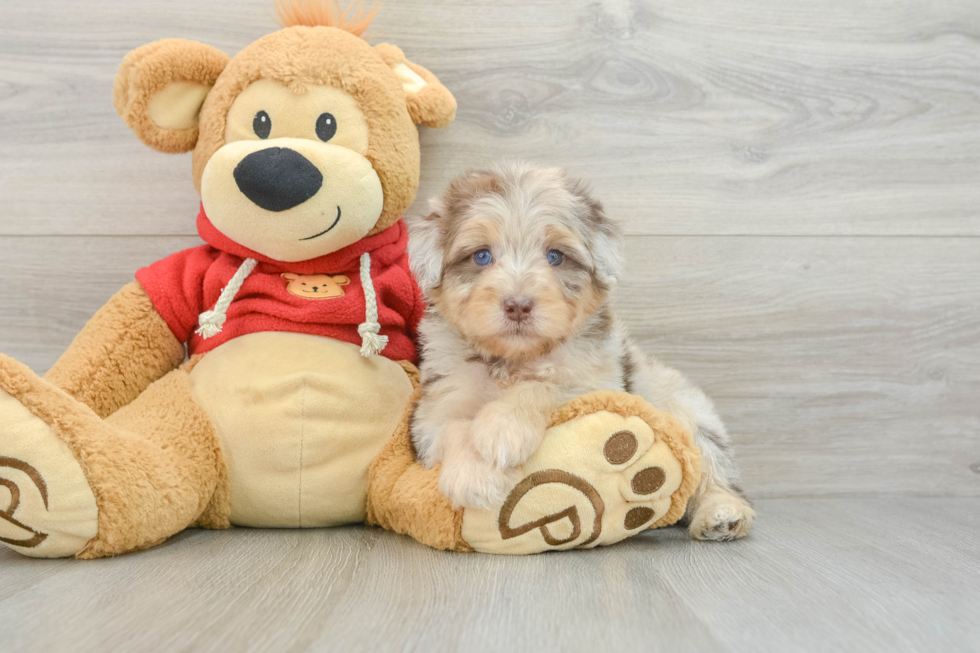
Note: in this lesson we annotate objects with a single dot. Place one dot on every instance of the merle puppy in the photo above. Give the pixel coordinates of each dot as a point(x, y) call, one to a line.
point(517, 264)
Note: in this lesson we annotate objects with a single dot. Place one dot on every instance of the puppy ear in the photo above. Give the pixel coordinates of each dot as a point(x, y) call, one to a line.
point(160, 89)
point(607, 250)
point(429, 102)
point(606, 238)
point(425, 247)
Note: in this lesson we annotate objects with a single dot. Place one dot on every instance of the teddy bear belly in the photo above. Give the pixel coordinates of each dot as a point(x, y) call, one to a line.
point(299, 419)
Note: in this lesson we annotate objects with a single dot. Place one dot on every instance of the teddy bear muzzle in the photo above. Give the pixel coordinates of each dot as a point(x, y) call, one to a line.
point(293, 199)
point(277, 178)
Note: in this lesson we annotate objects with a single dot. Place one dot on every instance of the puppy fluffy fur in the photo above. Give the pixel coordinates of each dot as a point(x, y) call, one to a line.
point(517, 264)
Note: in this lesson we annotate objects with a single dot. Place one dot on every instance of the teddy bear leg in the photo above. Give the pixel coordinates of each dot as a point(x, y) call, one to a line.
point(609, 467)
point(404, 497)
point(76, 484)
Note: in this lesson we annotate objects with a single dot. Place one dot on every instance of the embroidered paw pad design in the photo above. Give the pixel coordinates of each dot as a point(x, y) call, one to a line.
point(619, 486)
point(618, 450)
point(31, 538)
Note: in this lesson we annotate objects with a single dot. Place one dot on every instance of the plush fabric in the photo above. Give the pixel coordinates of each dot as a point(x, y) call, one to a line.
point(183, 285)
point(124, 348)
point(302, 56)
point(296, 56)
point(404, 497)
point(49, 510)
point(669, 428)
point(610, 466)
point(299, 419)
point(428, 103)
point(151, 466)
point(247, 182)
point(584, 488)
point(148, 71)
point(176, 106)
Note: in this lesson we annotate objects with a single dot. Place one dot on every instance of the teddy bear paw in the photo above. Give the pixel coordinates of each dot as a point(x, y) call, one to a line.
point(595, 480)
point(47, 509)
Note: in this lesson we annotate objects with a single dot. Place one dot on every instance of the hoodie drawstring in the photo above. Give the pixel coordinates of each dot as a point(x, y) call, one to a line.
point(369, 330)
point(210, 322)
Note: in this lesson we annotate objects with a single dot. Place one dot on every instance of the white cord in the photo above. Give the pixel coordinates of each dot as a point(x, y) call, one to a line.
point(371, 340)
point(211, 321)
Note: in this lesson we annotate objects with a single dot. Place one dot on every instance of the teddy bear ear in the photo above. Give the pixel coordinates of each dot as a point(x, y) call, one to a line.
point(429, 102)
point(289, 276)
point(161, 87)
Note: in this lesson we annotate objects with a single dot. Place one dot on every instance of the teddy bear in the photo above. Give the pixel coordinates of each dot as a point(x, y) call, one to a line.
point(267, 377)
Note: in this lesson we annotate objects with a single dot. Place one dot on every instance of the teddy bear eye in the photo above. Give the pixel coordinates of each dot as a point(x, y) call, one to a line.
point(483, 257)
point(262, 125)
point(326, 126)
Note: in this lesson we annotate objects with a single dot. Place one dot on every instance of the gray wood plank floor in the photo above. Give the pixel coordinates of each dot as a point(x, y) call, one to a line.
point(862, 575)
point(799, 181)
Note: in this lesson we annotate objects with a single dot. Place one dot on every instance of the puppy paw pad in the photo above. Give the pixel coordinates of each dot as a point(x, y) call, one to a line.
point(722, 522)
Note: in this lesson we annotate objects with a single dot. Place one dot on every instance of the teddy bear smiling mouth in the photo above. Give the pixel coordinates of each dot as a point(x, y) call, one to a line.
point(327, 229)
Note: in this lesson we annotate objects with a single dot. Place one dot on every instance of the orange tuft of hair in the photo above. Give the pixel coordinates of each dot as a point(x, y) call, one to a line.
point(327, 13)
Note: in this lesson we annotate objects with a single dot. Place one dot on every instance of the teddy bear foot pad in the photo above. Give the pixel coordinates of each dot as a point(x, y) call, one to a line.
point(47, 509)
point(610, 466)
point(596, 480)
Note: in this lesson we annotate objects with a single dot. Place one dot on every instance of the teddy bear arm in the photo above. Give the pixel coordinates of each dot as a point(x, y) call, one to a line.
point(124, 348)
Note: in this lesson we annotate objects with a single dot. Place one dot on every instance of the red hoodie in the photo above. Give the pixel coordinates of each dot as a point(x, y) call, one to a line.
point(187, 283)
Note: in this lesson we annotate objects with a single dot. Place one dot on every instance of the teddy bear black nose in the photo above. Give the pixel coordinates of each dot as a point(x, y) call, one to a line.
point(277, 178)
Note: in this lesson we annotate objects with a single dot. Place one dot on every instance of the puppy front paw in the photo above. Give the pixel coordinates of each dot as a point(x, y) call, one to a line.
point(505, 438)
point(471, 482)
point(722, 518)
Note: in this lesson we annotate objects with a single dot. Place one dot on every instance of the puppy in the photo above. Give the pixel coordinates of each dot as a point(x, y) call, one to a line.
point(516, 264)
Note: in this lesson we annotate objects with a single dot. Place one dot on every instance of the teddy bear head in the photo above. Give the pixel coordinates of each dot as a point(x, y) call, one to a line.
point(304, 142)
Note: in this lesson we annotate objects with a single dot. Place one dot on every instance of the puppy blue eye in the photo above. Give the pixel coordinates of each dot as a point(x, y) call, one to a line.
point(555, 257)
point(483, 257)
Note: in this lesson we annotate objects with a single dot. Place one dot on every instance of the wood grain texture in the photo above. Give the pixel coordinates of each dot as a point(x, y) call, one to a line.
point(843, 366)
point(834, 575)
point(755, 117)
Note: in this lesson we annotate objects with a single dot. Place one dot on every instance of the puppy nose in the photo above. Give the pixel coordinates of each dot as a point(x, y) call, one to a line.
point(277, 178)
point(518, 308)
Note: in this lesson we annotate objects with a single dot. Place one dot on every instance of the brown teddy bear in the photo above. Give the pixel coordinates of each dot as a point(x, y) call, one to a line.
point(298, 317)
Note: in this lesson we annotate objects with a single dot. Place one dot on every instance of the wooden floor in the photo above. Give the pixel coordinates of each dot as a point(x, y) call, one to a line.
point(800, 181)
point(829, 575)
